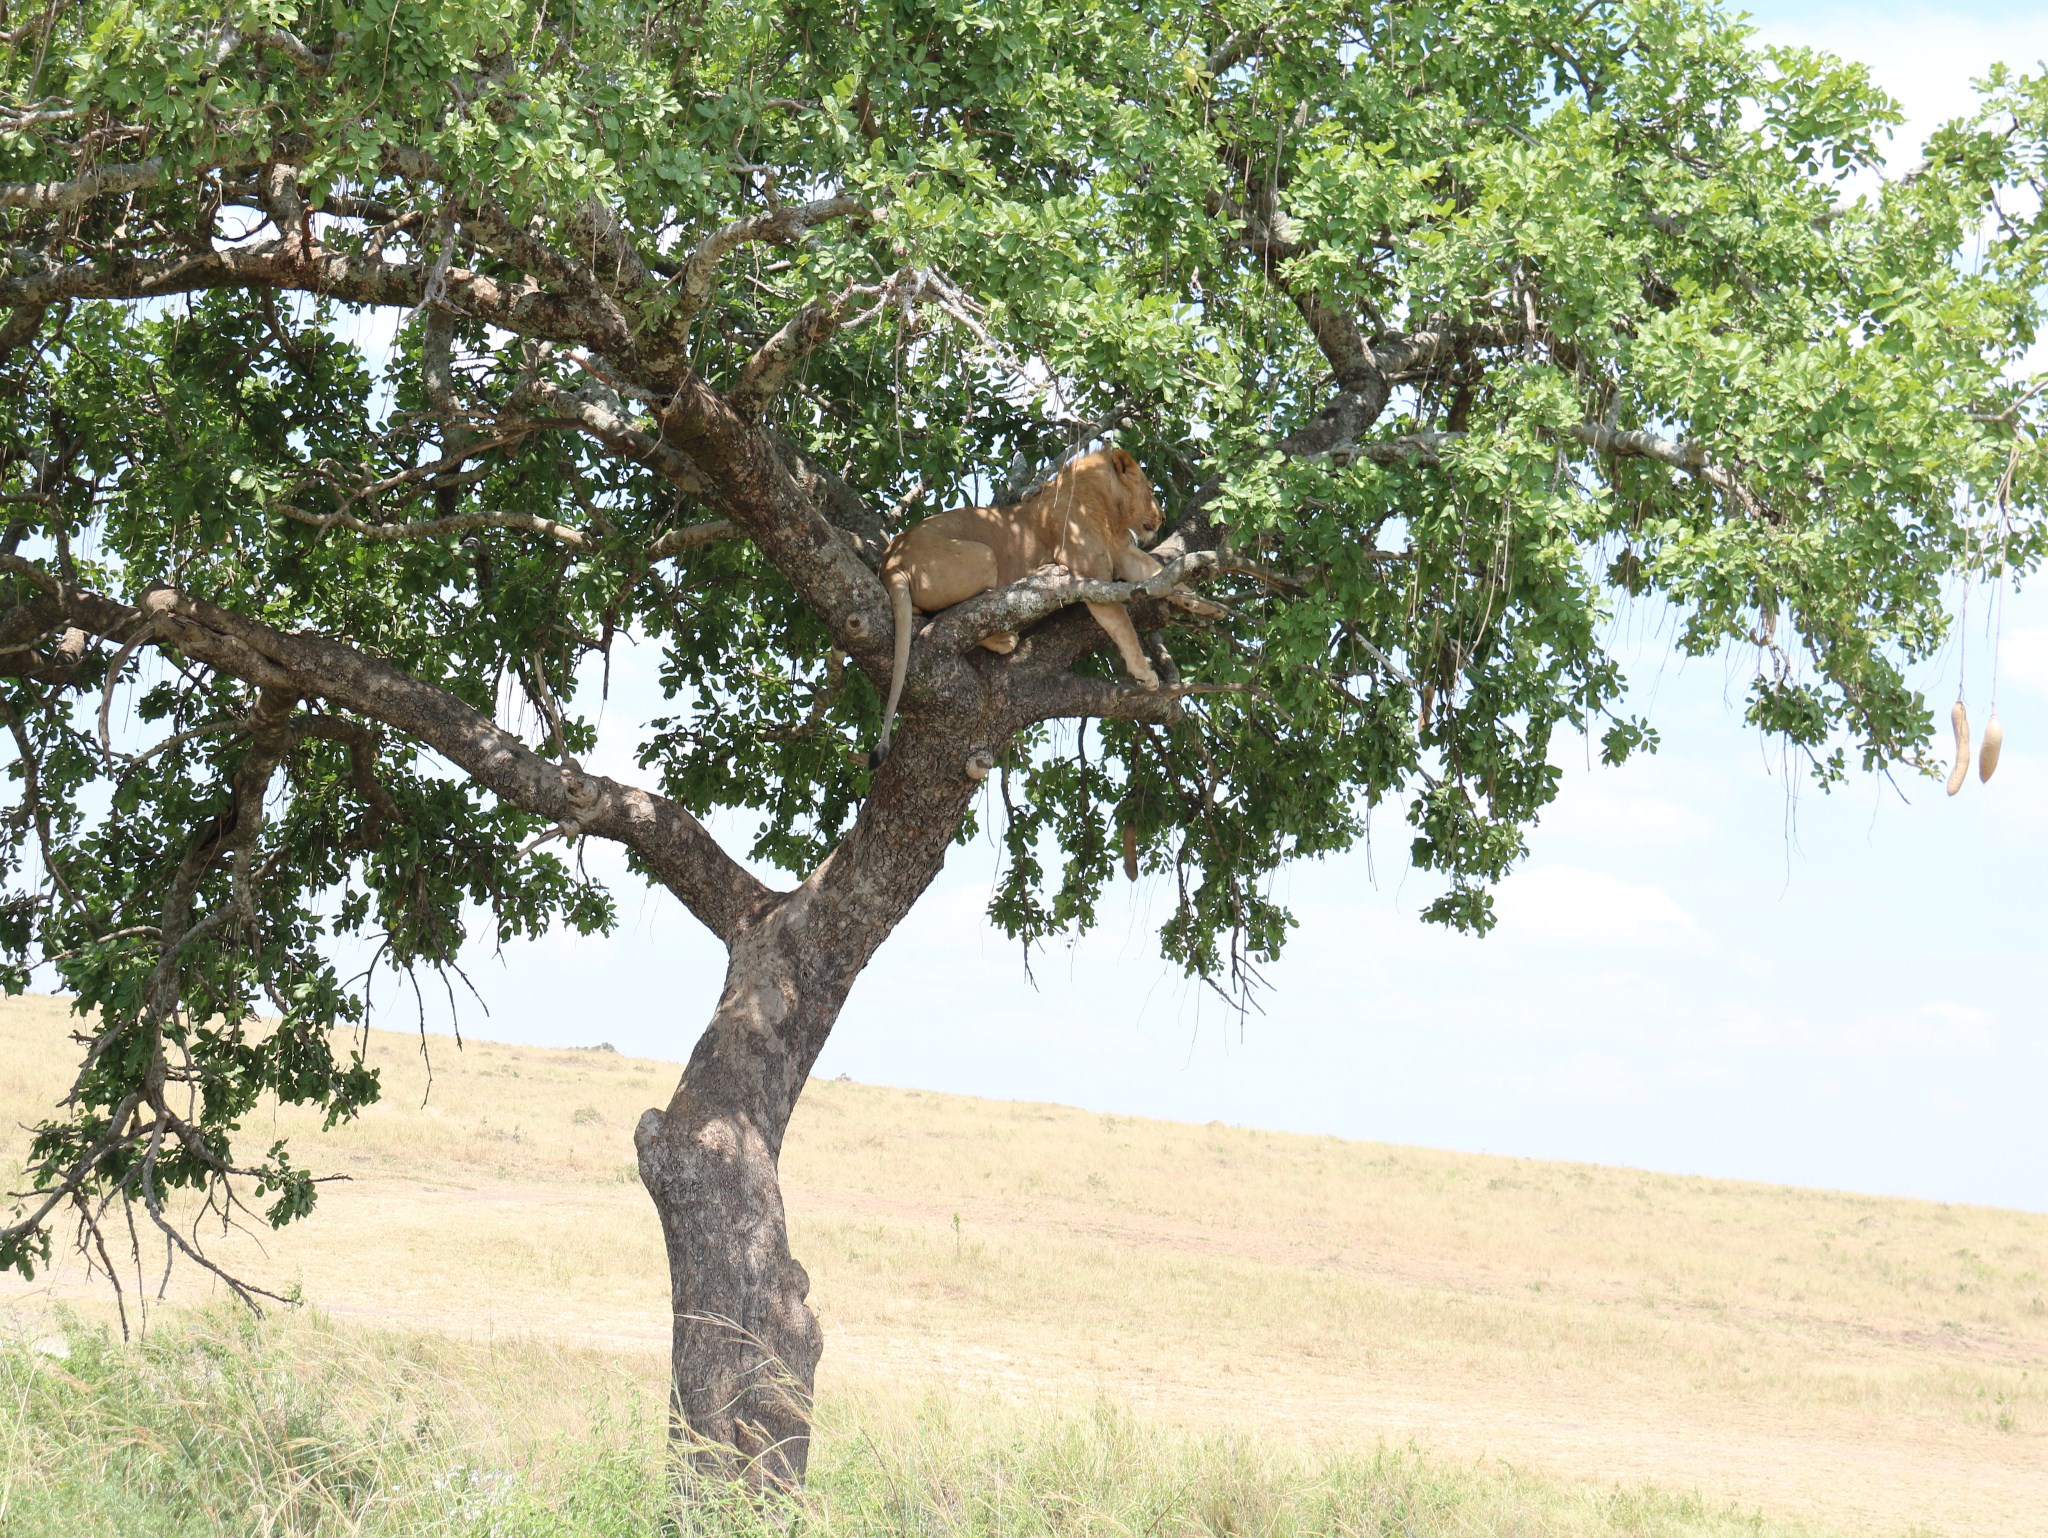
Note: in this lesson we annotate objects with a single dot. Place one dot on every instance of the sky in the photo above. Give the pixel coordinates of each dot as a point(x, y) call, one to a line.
point(1704, 966)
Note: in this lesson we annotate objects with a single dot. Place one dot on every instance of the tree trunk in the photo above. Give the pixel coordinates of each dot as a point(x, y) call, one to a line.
point(746, 1344)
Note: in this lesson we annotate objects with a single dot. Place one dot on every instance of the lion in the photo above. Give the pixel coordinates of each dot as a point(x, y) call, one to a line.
point(1085, 519)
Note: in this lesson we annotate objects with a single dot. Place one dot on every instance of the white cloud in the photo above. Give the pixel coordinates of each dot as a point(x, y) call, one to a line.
point(1702, 1074)
point(1591, 1076)
point(1602, 815)
point(1941, 1026)
point(2023, 660)
point(1748, 1030)
point(1566, 905)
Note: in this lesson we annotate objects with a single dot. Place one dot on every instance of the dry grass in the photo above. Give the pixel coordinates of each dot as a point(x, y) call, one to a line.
point(1866, 1363)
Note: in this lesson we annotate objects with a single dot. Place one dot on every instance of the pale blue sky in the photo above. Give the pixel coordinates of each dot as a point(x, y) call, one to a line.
point(1704, 967)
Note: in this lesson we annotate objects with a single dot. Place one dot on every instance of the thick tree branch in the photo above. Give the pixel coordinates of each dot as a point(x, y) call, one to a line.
point(565, 534)
point(496, 233)
point(1235, 49)
point(305, 60)
point(437, 378)
point(750, 482)
point(674, 846)
point(1338, 431)
point(672, 543)
point(56, 197)
point(618, 263)
point(620, 436)
point(1065, 696)
point(19, 328)
point(285, 263)
point(1690, 457)
point(1052, 588)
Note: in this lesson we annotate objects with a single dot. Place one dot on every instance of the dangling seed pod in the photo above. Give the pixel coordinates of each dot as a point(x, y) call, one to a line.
point(1130, 851)
point(1959, 718)
point(1994, 739)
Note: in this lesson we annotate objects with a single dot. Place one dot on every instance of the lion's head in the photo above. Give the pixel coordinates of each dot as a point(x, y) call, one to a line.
point(1140, 510)
point(1109, 480)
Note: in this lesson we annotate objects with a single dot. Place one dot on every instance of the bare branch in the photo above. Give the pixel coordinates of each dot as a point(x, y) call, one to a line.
point(1235, 49)
point(778, 502)
point(437, 378)
point(690, 536)
point(1421, 350)
point(285, 263)
point(1064, 696)
point(621, 437)
point(619, 265)
point(304, 59)
point(1691, 457)
point(20, 326)
point(362, 746)
point(21, 566)
point(1417, 448)
point(430, 528)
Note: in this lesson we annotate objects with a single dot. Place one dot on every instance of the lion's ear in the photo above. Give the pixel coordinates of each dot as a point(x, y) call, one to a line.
point(1121, 459)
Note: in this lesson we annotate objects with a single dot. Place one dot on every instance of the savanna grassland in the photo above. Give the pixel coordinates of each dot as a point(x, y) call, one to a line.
point(1149, 1326)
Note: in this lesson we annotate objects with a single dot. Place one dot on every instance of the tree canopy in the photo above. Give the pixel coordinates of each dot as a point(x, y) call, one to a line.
point(369, 367)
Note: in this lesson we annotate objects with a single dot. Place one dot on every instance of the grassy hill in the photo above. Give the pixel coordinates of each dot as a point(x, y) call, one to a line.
point(1551, 1334)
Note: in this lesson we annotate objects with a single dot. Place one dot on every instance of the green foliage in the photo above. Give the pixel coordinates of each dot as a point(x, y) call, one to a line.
point(1653, 217)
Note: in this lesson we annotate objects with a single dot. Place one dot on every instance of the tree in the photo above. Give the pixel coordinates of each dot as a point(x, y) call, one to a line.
point(1440, 327)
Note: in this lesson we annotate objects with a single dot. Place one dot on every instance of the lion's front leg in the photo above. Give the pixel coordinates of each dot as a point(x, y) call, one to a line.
point(1135, 565)
point(1114, 619)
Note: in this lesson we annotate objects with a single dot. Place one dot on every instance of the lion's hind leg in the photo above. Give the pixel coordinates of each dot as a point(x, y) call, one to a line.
point(953, 572)
point(950, 571)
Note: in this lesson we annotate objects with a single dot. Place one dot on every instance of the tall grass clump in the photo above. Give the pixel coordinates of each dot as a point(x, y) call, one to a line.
point(224, 1426)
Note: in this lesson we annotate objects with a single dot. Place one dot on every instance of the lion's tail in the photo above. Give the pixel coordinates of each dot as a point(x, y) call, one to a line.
point(899, 598)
